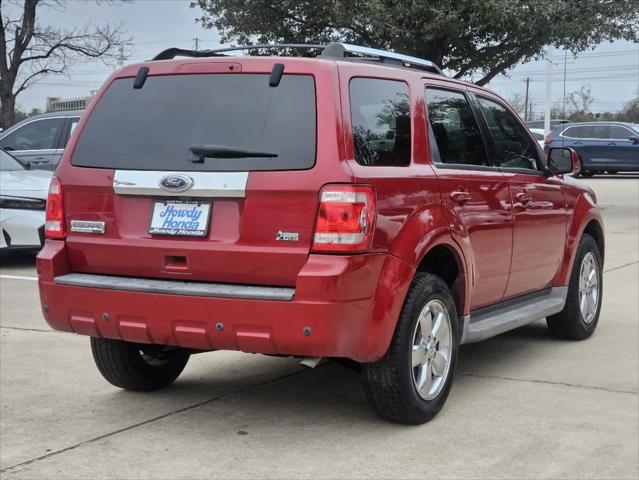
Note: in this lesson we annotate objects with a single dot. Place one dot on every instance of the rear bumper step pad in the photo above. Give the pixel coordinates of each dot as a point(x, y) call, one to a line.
point(176, 287)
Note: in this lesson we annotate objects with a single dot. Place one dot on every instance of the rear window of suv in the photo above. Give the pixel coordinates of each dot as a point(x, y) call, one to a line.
point(154, 127)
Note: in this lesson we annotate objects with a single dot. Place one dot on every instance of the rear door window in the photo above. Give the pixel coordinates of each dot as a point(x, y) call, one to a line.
point(381, 122)
point(454, 128)
point(157, 126)
point(36, 135)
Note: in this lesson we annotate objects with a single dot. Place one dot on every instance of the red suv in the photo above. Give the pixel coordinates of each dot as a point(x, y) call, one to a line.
point(356, 205)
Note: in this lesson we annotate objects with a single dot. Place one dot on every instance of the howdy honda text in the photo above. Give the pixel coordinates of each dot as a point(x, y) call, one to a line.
point(180, 218)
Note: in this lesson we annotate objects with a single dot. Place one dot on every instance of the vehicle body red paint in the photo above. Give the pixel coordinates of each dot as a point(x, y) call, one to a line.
point(505, 244)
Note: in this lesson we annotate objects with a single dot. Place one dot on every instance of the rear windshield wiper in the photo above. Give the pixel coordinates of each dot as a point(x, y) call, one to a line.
point(221, 151)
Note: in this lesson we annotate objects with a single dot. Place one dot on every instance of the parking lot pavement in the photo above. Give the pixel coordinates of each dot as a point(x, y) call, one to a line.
point(524, 405)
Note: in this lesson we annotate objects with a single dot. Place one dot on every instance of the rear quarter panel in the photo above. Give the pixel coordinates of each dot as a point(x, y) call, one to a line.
point(410, 218)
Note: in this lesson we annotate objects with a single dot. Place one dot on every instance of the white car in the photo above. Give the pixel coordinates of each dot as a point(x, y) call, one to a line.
point(539, 135)
point(23, 200)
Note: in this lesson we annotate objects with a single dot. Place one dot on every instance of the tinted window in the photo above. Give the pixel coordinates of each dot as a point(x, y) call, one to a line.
point(513, 146)
point(380, 117)
point(454, 128)
point(579, 132)
point(617, 132)
point(153, 128)
point(36, 135)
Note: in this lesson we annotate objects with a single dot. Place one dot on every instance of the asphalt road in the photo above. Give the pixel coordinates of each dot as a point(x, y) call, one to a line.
point(524, 405)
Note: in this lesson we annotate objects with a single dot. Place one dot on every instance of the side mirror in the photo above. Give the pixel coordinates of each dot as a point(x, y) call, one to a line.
point(563, 161)
point(634, 140)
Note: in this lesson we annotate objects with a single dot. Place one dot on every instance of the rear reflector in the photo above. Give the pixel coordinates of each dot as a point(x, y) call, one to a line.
point(345, 219)
point(54, 226)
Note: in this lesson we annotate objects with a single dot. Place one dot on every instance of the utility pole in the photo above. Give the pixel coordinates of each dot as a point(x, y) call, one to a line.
point(526, 102)
point(197, 43)
point(563, 99)
point(548, 98)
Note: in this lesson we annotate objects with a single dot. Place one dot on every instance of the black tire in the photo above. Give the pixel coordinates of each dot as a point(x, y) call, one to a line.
point(569, 324)
point(388, 383)
point(137, 367)
point(586, 174)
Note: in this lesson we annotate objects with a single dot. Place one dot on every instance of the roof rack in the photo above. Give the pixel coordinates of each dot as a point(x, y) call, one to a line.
point(332, 50)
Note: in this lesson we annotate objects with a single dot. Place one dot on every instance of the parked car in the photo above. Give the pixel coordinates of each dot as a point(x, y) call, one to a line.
point(540, 124)
point(357, 205)
point(539, 135)
point(602, 146)
point(23, 195)
point(39, 140)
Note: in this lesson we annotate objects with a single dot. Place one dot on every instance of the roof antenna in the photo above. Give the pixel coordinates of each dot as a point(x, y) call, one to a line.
point(276, 75)
point(140, 77)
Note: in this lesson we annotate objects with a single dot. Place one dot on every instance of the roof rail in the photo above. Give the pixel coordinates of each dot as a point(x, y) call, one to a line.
point(341, 50)
point(332, 50)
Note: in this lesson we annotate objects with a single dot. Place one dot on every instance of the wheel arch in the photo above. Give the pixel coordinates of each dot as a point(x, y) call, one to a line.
point(586, 218)
point(446, 261)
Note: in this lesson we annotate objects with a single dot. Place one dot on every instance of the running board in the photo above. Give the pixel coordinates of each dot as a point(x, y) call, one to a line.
point(494, 320)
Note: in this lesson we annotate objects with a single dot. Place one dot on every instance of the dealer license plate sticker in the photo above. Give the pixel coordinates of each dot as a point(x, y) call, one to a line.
point(176, 217)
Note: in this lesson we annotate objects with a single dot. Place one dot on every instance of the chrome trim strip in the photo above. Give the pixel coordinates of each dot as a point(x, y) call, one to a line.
point(85, 226)
point(176, 287)
point(205, 184)
point(514, 315)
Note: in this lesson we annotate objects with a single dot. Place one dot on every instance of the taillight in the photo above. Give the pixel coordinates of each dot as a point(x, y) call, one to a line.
point(548, 139)
point(345, 219)
point(54, 226)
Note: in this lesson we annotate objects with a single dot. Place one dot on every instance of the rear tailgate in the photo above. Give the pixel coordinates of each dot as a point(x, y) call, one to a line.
point(135, 142)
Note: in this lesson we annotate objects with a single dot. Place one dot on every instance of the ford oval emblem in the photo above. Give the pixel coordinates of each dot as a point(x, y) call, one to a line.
point(176, 183)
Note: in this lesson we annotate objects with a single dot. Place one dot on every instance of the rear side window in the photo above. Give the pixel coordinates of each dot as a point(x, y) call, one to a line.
point(513, 146)
point(156, 127)
point(576, 132)
point(454, 128)
point(36, 135)
point(381, 121)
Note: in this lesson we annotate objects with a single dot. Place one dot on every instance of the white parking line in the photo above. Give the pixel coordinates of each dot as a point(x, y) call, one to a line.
point(19, 277)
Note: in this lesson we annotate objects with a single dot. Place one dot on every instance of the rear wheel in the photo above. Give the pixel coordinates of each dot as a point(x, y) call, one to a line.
point(410, 384)
point(136, 366)
point(578, 320)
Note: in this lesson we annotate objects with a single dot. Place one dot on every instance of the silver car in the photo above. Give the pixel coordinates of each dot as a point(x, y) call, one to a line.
point(39, 140)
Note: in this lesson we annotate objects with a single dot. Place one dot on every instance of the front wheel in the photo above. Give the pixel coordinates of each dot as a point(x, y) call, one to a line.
point(410, 384)
point(137, 366)
point(578, 320)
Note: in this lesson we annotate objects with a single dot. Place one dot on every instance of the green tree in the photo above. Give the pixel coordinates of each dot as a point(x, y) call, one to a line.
point(630, 111)
point(469, 38)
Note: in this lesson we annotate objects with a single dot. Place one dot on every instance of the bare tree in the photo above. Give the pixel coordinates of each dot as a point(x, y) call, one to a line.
point(579, 101)
point(30, 50)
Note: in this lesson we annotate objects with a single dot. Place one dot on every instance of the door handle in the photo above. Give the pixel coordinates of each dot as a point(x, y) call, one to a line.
point(524, 197)
point(459, 196)
point(612, 143)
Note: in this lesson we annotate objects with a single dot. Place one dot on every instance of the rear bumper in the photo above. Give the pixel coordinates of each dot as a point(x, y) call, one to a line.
point(342, 306)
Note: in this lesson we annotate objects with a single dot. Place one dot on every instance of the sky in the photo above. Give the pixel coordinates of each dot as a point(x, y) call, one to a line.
point(611, 70)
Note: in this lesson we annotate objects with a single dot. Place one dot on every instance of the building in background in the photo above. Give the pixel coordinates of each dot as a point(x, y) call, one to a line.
point(57, 104)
